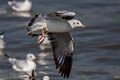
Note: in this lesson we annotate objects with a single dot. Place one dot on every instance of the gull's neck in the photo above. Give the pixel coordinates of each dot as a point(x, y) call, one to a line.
point(28, 61)
point(71, 23)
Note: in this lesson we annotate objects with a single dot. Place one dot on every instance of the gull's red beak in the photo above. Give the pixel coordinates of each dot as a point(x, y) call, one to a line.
point(36, 59)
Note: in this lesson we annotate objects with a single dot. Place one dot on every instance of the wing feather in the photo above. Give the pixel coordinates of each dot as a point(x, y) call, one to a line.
point(67, 15)
point(35, 25)
point(62, 46)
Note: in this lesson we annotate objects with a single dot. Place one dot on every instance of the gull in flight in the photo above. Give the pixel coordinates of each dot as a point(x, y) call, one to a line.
point(27, 66)
point(57, 25)
point(20, 6)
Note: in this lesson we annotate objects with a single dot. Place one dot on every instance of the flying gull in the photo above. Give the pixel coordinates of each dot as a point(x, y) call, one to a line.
point(57, 25)
point(20, 6)
point(27, 66)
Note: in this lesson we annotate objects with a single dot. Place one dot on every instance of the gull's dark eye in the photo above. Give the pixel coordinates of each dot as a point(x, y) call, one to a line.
point(77, 22)
point(30, 56)
point(74, 23)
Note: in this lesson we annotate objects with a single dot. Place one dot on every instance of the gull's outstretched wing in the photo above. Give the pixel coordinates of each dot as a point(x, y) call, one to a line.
point(62, 46)
point(67, 15)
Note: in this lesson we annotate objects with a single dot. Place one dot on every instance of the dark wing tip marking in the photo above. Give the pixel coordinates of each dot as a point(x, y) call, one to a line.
point(64, 65)
point(65, 69)
point(1, 33)
point(61, 15)
point(6, 56)
point(32, 21)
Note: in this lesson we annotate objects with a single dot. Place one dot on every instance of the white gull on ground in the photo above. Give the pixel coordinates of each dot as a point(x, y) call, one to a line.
point(46, 78)
point(57, 25)
point(27, 66)
point(20, 6)
point(2, 43)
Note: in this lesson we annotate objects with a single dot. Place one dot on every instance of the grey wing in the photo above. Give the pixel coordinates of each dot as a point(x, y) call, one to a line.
point(67, 15)
point(62, 46)
point(34, 26)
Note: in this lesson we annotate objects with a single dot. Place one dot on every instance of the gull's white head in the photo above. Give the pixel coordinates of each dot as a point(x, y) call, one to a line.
point(31, 57)
point(76, 23)
point(46, 78)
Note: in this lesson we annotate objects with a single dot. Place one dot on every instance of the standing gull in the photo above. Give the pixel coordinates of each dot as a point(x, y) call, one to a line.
point(57, 25)
point(27, 66)
point(20, 6)
point(2, 43)
point(46, 78)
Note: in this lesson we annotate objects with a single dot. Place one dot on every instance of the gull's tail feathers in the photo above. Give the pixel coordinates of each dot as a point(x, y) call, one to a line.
point(31, 23)
point(11, 60)
point(6, 56)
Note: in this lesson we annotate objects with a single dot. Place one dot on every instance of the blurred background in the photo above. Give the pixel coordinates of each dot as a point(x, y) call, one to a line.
point(97, 48)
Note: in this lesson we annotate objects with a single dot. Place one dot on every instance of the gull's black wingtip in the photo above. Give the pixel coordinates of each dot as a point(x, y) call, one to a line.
point(6, 56)
point(1, 33)
point(33, 19)
point(65, 69)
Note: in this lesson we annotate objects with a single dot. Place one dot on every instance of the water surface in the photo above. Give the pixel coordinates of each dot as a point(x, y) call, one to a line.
point(96, 55)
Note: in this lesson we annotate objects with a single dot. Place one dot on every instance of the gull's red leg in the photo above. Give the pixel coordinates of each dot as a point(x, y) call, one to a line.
point(42, 37)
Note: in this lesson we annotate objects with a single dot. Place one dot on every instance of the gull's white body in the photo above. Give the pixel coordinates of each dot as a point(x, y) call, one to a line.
point(22, 65)
point(20, 6)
